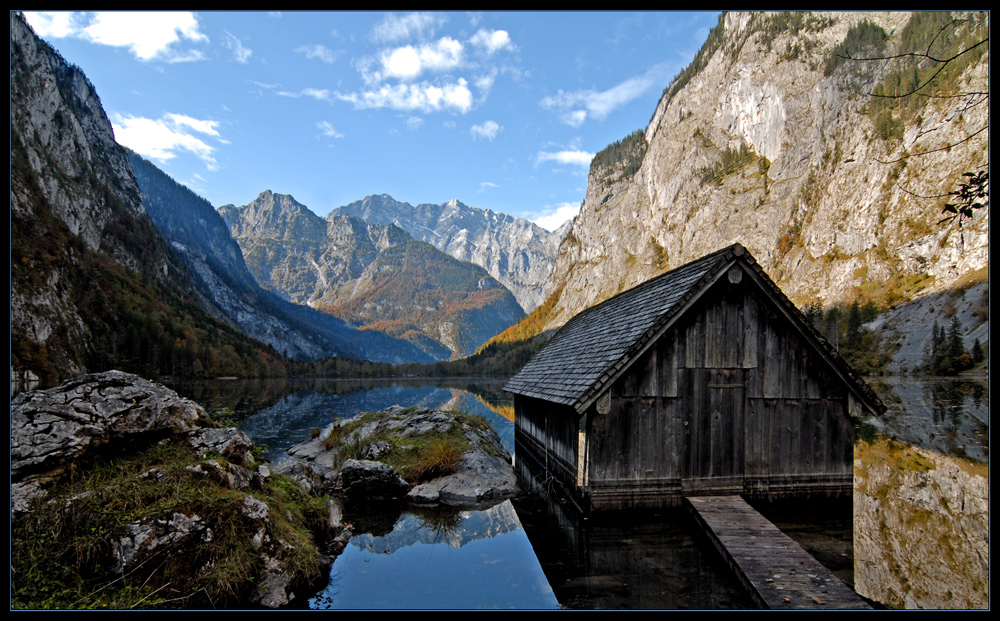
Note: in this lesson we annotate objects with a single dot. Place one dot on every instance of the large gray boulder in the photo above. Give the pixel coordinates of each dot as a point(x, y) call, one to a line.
point(480, 478)
point(93, 417)
point(50, 430)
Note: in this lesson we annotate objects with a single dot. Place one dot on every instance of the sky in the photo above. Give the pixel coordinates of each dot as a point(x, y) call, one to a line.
point(502, 111)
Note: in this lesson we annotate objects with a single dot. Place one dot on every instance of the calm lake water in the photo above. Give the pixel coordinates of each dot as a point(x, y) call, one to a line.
point(531, 553)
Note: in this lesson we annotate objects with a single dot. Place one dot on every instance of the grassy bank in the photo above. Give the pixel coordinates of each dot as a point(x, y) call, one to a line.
point(69, 551)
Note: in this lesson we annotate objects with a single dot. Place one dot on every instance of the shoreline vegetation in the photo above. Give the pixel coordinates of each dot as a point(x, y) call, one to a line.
point(125, 495)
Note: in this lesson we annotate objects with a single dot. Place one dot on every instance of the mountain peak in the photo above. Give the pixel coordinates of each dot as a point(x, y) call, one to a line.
point(515, 251)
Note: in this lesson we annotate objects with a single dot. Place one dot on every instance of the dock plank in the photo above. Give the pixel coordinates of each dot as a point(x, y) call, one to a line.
point(778, 573)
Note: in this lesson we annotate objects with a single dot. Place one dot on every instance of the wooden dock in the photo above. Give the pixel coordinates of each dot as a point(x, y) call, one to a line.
point(778, 573)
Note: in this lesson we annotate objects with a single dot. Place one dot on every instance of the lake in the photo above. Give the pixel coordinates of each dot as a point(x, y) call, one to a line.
point(920, 513)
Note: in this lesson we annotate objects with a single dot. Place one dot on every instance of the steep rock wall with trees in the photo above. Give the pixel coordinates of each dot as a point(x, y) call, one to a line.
point(772, 138)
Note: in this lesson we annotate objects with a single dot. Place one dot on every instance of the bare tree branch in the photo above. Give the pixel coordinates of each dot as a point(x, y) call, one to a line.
point(944, 148)
point(926, 55)
point(922, 55)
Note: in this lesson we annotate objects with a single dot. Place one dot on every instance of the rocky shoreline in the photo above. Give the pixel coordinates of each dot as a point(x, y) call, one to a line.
point(126, 495)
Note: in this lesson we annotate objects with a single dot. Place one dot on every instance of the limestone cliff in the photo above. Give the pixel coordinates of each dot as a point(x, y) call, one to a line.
point(771, 139)
point(225, 287)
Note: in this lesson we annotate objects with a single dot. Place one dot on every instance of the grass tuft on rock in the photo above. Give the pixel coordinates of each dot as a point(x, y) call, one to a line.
point(417, 457)
point(63, 550)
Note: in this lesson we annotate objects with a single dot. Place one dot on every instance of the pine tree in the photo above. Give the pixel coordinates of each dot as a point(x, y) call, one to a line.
point(977, 352)
point(958, 360)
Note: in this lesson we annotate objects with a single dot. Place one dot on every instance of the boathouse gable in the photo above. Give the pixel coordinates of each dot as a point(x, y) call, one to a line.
point(705, 380)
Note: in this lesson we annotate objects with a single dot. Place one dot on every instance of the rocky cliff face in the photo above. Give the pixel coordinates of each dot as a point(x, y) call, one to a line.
point(57, 119)
point(766, 141)
point(72, 198)
point(375, 276)
point(515, 251)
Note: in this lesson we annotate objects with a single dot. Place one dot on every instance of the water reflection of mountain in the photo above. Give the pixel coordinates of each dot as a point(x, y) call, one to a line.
point(295, 415)
point(465, 527)
point(307, 406)
point(482, 559)
point(946, 415)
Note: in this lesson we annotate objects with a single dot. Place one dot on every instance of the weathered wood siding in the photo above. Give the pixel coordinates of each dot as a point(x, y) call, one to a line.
point(728, 400)
point(548, 434)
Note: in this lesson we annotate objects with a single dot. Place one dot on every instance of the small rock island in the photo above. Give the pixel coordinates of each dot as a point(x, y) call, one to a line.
point(423, 456)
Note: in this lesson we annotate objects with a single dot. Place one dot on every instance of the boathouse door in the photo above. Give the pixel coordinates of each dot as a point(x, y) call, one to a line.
point(713, 419)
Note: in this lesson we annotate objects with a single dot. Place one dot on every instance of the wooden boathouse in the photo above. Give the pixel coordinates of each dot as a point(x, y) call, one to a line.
point(706, 380)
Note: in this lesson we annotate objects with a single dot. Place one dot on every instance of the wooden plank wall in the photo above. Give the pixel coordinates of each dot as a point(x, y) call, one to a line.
point(551, 433)
point(727, 399)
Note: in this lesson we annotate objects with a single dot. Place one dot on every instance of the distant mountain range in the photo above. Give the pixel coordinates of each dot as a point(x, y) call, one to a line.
point(515, 251)
point(226, 288)
point(115, 265)
point(767, 138)
point(375, 276)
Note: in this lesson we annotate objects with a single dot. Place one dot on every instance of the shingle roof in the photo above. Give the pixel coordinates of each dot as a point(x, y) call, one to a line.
point(595, 340)
point(586, 352)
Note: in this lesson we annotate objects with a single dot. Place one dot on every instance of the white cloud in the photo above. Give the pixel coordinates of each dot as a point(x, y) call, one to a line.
point(486, 131)
point(486, 185)
point(162, 139)
point(319, 94)
point(575, 107)
point(425, 97)
point(575, 158)
point(550, 218)
point(55, 24)
point(485, 82)
point(240, 54)
point(204, 127)
point(148, 35)
point(413, 123)
point(574, 118)
point(492, 41)
point(326, 129)
point(408, 62)
point(318, 51)
point(396, 28)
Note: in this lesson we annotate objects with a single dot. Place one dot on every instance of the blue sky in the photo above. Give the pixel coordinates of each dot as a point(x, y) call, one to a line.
point(499, 110)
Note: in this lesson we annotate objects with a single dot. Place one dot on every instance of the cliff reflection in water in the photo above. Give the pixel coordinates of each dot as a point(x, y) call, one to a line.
point(281, 412)
point(950, 416)
point(921, 496)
